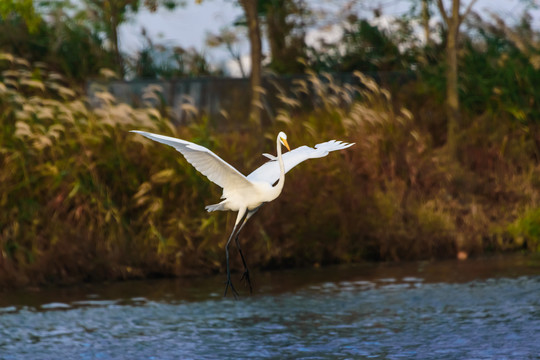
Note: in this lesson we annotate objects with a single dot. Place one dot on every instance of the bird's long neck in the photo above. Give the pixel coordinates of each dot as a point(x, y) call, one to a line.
point(279, 185)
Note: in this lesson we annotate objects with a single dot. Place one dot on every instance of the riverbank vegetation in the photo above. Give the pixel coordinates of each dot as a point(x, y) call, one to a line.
point(83, 199)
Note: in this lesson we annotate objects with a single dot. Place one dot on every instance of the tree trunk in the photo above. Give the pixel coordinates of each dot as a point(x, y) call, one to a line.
point(111, 20)
point(277, 30)
point(452, 93)
point(453, 22)
point(254, 31)
point(116, 48)
point(425, 21)
point(286, 35)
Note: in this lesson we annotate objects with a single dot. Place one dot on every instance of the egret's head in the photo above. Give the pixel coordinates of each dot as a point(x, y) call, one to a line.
point(283, 139)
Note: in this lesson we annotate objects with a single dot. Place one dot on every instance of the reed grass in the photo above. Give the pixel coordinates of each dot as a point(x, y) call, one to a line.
point(82, 199)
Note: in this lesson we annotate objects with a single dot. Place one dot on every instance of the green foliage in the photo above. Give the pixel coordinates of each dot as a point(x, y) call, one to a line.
point(108, 15)
point(526, 229)
point(162, 61)
point(360, 204)
point(72, 195)
point(498, 71)
point(365, 47)
point(72, 41)
point(66, 44)
point(20, 8)
point(82, 198)
point(500, 77)
point(285, 22)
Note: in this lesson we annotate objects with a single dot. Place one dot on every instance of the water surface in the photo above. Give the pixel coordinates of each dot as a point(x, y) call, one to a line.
point(475, 309)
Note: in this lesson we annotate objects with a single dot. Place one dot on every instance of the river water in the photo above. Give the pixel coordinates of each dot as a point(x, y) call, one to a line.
point(475, 309)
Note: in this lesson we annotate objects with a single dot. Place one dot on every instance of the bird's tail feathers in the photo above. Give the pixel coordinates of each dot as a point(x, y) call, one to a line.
point(215, 207)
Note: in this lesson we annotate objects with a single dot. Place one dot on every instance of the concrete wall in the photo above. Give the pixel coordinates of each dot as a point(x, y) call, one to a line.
point(224, 100)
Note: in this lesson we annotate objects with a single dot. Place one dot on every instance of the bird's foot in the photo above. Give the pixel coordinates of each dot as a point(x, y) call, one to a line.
point(230, 284)
point(247, 280)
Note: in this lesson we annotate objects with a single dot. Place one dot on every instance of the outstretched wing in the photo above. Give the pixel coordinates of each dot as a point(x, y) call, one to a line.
point(204, 160)
point(269, 172)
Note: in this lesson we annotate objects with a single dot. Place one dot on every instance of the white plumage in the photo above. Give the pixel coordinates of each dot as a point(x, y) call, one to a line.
point(269, 171)
point(241, 193)
point(204, 160)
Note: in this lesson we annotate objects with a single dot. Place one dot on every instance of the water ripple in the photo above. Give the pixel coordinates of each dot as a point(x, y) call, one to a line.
point(388, 317)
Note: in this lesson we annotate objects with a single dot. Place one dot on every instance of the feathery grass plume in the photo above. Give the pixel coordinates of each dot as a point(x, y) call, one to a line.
point(363, 200)
point(84, 199)
point(68, 182)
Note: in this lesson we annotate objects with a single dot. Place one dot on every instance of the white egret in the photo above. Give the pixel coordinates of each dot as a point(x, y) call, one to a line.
point(245, 194)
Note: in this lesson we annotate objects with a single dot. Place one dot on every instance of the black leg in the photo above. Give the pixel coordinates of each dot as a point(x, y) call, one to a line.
point(245, 275)
point(229, 282)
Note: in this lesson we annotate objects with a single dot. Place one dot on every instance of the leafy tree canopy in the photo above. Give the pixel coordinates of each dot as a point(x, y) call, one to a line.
point(23, 8)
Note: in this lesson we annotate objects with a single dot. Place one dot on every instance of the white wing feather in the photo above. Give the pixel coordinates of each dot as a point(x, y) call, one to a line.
point(205, 161)
point(269, 172)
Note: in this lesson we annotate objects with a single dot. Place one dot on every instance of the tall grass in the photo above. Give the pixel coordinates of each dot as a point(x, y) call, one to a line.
point(69, 180)
point(83, 199)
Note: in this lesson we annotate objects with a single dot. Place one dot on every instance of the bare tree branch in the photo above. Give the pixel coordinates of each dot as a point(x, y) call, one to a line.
point(467, 10)
point(443, 12)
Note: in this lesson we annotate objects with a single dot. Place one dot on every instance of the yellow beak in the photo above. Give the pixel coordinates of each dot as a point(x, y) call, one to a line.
point(284, 141)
